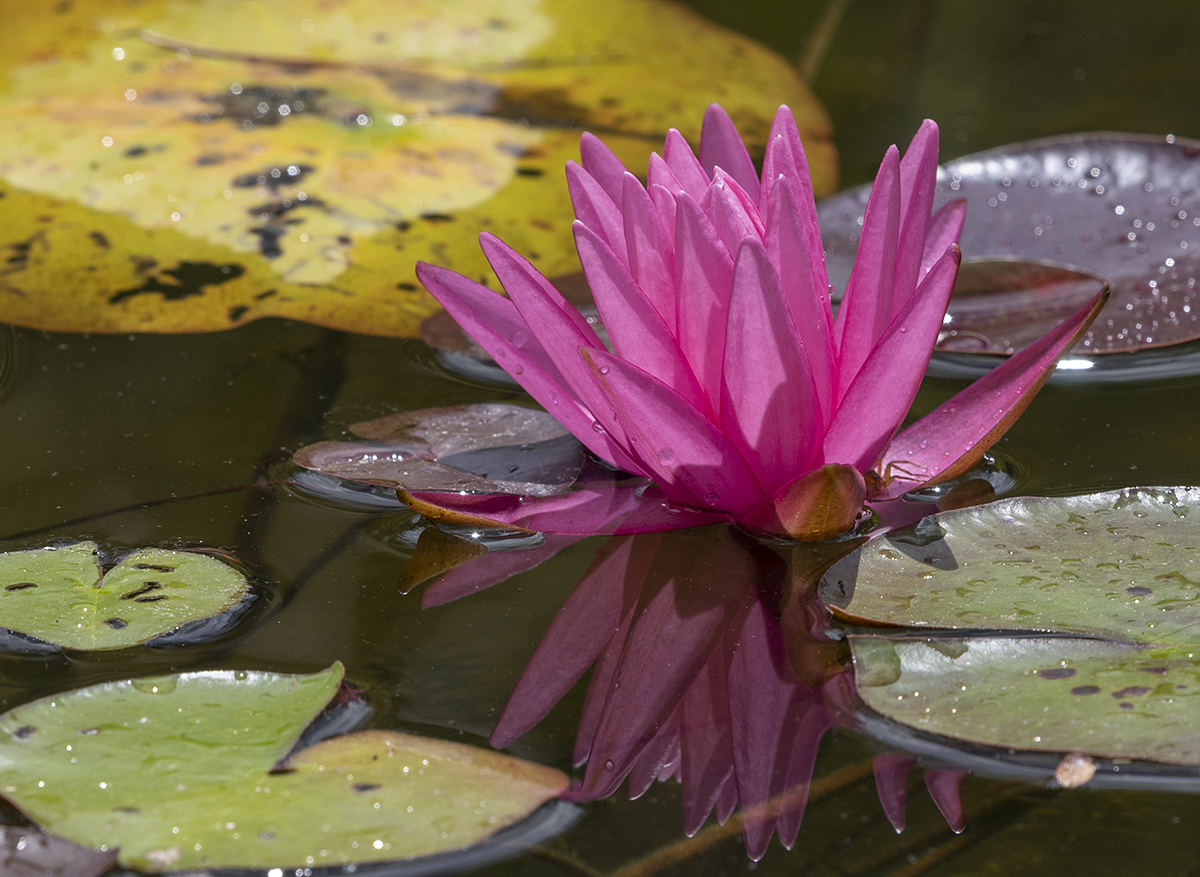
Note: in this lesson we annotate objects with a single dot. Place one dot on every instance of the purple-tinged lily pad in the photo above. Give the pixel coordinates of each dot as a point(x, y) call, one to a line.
point(485, 448)
point(1002, 306)
point(27, 852)
point(1122, 207)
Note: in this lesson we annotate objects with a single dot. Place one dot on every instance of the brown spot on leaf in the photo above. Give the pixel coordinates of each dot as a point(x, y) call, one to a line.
point(1086, 689)
point(366, 787)
point(146, 588)
point(1139, 591)
point(1157, 671)
point(116, 623)
point(1133, 691)
point(20, 586)
point(154, 566)
point(1057, 672)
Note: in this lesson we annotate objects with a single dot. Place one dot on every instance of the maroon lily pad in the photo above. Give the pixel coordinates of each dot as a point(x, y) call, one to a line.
point(486, 448)
point(1122, 207)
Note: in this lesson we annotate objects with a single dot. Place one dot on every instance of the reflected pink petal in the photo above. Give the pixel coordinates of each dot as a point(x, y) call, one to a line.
point(944, 788)
point(891, 784)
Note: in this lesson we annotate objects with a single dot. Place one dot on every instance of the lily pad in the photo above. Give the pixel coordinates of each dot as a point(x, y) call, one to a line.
point(1122, 207)
point(1122, 565)
point(483, 448)
point(60, 595)
point(187, 771)
point(1065, 624)
point(206, 163)
point(1055, 694)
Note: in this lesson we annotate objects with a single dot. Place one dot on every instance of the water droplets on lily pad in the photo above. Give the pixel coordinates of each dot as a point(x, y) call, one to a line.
point(226, 793)
point(1055, 625)
point(61, 596)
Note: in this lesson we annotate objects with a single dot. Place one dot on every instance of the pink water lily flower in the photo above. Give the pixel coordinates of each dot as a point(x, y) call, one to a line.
point(730, 383)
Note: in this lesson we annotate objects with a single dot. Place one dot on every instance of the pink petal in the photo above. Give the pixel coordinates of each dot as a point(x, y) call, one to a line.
point(721, 146)
point(918, 176)
point(651, 252)
point(953, 437)
point(760, 691)
point(599, 161)
point(891, 784)
point(534, 295)
point(656, 758)
point(785, 157)
point(865, 311)
point(683, 163)
point(664, 206)
point(877, 401)
point(801, 273)
point(659, 173)
point(944, 788)
point(733, 216)
point(769, 405)
point(587, 621)
point(639, 335)
point(583, 512)
point(597, 700)
point(703, 277)
point(811, 720)
point(490, 570)
point(693, 462)
point(945, 228)
point(707, 747)
point(595, 209)
point(675, 629)
point(494, 322)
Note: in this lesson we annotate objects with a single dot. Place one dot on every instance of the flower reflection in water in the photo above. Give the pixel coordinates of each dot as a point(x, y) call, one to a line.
point(695, 679)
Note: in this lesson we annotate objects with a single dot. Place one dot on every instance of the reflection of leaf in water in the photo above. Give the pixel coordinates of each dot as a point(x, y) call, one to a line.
point(188, 771)
point(1104, 591)
point(318, 154)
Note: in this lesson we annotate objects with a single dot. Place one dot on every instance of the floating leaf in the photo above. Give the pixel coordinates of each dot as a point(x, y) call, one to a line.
point(1122, 207)
point(1058, 694)
point(61, 596)
point(1112, 578)
point(483, 448)
point(184, 771)
point(205, 163)
point(1122, 565)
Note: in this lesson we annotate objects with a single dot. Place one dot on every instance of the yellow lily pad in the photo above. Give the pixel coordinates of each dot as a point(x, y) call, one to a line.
point(193, 165)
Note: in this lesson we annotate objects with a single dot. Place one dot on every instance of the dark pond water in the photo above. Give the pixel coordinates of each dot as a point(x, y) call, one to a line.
point(132, 440)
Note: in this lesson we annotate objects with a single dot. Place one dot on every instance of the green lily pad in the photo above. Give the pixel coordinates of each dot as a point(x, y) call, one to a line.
point(61, 596)
point(1113, 578)
point(1123, 565)
point(185, 771)
point(203, 163)
point(1047, 694)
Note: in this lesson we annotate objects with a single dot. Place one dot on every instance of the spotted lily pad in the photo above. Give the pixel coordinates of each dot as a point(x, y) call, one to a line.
point(207, 162)
point(189, 771)
point(483, 448)
point(1098, 598)
point(1122, 207)
point(60, 595)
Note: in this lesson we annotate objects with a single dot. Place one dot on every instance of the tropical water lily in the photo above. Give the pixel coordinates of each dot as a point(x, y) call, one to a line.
point(730, 383)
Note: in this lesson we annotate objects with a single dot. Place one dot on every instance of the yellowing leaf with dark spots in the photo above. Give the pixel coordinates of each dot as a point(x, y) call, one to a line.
point(191, 166)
